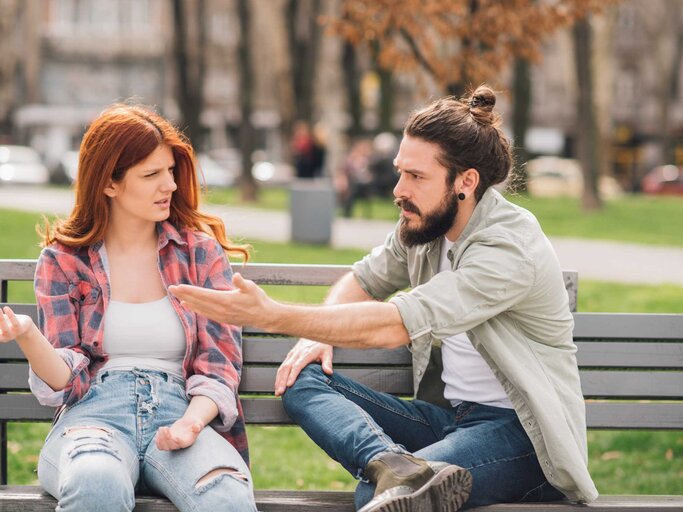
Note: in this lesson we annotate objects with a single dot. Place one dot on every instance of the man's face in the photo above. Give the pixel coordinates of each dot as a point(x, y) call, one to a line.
point(428, 204)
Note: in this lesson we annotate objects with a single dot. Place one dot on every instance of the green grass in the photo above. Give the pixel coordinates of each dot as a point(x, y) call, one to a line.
point(633, 218)
point(621, 462)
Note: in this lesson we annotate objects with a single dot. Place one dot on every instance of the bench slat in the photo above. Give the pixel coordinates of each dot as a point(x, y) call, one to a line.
point(591, 354)
point(616, 354)
point(632, 384)
point(628, 326)
point(273, 350)
point(269, 411)
point(398, 381)
point(21, 498)
point(634, 415)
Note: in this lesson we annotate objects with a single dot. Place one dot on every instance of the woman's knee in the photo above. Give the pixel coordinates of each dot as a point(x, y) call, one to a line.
point(95, 481)
point(92, 473)
point(228, 489)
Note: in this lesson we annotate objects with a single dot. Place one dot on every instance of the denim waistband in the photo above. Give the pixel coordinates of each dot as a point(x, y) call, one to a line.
point(140, 372)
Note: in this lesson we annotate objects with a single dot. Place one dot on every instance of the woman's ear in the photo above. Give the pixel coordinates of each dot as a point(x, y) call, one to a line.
point(110, 189)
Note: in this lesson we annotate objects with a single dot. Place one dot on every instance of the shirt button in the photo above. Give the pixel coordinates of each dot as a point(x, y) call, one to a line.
point(96, 343)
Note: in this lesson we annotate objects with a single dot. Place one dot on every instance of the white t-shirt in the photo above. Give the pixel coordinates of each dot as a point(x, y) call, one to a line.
point(468, 378)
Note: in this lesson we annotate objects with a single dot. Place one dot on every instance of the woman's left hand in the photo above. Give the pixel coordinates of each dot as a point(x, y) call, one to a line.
point(181, 434)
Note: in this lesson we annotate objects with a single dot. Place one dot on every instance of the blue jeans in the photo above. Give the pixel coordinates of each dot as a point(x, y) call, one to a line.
point(99, 467)
point(354, 424)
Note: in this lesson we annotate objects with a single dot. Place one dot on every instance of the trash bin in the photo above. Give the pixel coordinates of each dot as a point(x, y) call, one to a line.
point(311, 206)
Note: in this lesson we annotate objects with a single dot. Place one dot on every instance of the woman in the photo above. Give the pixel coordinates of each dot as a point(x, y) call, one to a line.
point(146, 390)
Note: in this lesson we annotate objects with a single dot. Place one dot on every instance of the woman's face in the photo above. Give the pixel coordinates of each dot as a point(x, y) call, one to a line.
point(145, 191)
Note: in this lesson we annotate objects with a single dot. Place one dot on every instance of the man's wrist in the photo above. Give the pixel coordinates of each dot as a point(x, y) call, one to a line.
point(276, 318)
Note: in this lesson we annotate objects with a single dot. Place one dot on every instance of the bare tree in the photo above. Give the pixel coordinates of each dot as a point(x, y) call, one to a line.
point(189, 24)
point(521, 90)
point(9, 11)
point(248, 184)
point(587, 128)
point(304, 33)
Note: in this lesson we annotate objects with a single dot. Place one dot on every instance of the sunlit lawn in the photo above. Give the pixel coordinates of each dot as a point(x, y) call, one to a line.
point(621, 462)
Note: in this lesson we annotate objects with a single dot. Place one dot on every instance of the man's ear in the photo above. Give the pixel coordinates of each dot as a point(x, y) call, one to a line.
point(467, 182)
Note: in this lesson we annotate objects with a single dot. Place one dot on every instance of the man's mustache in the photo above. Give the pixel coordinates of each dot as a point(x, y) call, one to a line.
point(406, 205)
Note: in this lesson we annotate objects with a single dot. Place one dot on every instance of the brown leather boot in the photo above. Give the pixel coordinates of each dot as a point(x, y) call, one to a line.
point(406, 483)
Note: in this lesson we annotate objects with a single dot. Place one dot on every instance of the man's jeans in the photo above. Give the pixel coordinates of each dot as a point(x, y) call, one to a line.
point(354, 424)
point(103, 447)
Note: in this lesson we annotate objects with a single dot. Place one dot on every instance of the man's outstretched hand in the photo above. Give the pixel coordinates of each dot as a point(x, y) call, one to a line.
point(246, 304)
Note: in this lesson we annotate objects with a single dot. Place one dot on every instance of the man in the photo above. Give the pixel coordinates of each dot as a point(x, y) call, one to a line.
point(498, 412)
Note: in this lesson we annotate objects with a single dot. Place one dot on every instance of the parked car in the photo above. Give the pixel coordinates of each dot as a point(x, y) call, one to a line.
point(215, 174)
point(22, 164)
point(664, 180)
point(550, 176)
point(68, 166)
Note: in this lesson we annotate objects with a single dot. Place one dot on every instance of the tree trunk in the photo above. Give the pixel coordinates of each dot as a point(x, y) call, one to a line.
point(188, 51)
point(386, 90)
point(248, 185)
point(349, 63)
point(671, 88)
point(587, 132)
point(304, 42)
point(520, 120)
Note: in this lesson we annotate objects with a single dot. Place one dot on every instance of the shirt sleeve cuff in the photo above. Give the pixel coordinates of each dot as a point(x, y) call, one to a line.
point(414, 318)
point(42, 391)
point(223, 397)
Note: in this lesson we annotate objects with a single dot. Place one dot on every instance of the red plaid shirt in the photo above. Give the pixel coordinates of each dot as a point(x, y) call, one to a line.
point(72, 291)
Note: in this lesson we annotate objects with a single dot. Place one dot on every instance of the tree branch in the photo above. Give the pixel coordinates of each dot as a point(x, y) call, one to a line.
point(417, 53)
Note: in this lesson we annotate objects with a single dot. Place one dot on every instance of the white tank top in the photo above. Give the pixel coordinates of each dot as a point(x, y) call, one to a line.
point(147, 335)
point(468, 378)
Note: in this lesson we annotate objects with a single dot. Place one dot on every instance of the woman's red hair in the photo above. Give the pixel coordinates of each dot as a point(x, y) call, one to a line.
point(121, 137)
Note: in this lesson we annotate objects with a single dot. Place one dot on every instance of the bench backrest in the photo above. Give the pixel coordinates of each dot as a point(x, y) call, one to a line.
point(631, 364)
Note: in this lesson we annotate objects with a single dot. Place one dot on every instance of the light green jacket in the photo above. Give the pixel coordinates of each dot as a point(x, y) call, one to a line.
point(507, 292)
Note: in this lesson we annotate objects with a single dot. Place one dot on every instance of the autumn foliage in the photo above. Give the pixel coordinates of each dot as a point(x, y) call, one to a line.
point(457, 42)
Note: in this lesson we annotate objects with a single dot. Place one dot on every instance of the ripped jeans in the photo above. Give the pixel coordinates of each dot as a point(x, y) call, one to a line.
point(102, 449)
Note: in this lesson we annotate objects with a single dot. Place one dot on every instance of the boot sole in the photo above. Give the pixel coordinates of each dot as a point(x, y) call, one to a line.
point(447, 491)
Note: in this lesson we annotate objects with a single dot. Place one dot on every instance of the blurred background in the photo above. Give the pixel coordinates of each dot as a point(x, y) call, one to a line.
point(270, 90)
point(295, 108)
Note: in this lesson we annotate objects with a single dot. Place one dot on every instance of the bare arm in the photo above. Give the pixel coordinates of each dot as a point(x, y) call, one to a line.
point(368, 324)
point(41, 355)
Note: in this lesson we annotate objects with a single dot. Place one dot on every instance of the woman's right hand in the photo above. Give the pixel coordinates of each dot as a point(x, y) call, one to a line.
point(13, 326)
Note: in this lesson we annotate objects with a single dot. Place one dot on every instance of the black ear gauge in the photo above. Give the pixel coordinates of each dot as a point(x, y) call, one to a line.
point(461, 196)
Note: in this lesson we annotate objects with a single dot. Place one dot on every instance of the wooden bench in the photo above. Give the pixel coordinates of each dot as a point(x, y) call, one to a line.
point(631, 372)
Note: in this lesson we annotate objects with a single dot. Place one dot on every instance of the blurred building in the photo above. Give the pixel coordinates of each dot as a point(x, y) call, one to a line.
point(62, 61)
point(638, 89)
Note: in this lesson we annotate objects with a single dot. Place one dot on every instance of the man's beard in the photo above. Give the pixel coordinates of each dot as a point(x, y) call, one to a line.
point(434, 224)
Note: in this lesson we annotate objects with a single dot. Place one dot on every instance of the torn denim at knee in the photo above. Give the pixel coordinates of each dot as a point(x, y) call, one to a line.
point(90, 439)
